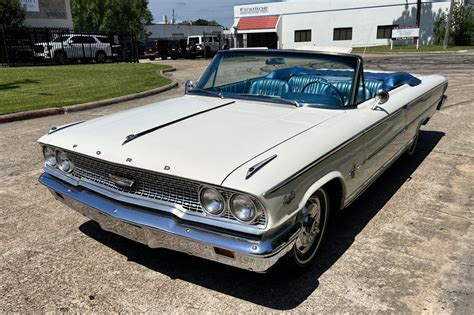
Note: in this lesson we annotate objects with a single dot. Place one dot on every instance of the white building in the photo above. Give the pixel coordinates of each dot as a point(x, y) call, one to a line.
point(48, 13)
point(343, 23)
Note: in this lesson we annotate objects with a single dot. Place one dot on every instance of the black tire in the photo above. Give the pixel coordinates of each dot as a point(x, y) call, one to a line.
point(164, 57)
point(100, 57)
point(152, 58)
point(60, 57)
point(306, 247)
point(412, 148)
point(174, 57)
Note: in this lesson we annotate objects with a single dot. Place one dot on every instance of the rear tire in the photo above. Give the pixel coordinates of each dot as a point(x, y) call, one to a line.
point(60, 57)
point(152, 58)
point(412, 148)
point(304, 251)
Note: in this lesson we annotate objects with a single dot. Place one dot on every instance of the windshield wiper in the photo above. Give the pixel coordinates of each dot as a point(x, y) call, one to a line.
point(213, 93)
point(276, 98)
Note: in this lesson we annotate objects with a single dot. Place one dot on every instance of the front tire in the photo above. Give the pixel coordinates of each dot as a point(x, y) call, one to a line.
point(100, 57)
point(315, 223)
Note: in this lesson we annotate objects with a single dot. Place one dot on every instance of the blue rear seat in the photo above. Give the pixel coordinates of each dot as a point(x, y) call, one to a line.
point(272, 87)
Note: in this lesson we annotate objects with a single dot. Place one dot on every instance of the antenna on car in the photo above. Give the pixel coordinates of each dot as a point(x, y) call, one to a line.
point(368, 39)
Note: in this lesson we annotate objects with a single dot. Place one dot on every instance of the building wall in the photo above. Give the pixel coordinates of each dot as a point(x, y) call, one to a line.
point(48, 13)
point(363, 16)
point(178, 30)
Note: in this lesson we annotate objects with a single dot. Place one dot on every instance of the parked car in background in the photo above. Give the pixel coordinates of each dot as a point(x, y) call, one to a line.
point(76, 47)
point(19, 50)
point(249, 165)
point(202, 46)
point(151, 49)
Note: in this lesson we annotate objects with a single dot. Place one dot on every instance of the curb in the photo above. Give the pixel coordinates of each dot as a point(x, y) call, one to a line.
point(90, 105)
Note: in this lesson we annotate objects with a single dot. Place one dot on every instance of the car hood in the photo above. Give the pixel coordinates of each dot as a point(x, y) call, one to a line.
point(196, 137)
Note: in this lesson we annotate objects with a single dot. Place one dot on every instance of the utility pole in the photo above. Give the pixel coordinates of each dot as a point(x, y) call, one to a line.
point(173, 21)
point(448, 24)
point(418, 18)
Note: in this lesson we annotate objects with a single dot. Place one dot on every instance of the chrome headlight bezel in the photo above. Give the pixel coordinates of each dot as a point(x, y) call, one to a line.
point(49, 155)
point(218, 195)
point(63, 162)
point(256, 211)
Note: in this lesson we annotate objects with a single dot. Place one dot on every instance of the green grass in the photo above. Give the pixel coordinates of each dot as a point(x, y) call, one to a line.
point(410, 49)
point(28, 88)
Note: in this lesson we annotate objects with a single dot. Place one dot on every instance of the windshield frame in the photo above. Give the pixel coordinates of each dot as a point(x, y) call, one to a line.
point(351, 60)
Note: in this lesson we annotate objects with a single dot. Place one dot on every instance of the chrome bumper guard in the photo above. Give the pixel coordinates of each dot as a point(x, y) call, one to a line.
point(163, 231)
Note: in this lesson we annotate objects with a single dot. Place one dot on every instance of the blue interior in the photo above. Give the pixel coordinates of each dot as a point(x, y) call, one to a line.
point(329, 87)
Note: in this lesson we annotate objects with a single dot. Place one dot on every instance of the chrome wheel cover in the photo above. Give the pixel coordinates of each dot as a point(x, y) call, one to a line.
point(314, 224)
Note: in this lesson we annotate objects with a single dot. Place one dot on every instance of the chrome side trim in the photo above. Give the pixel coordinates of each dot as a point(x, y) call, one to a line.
point(163, 231)
point(342, 145)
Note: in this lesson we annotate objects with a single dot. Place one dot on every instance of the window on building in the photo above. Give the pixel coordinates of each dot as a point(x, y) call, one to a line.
point(385, 31)
point(342, 33)
point(303, 36)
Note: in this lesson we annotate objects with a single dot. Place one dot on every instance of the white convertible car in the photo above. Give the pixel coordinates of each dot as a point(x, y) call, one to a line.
point(245, 168)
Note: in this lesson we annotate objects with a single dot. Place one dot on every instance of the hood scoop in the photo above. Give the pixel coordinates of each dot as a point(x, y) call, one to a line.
point(142, 133)
point(254, 169)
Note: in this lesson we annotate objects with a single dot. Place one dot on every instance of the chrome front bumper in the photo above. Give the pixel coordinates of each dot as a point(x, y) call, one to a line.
point(160, 230)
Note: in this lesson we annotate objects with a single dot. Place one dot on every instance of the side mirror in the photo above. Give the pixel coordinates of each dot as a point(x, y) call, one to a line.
point(188, 86)
point(382, 97)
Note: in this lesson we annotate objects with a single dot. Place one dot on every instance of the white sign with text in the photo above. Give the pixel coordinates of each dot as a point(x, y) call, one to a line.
point(30, 5)
point(405, 32)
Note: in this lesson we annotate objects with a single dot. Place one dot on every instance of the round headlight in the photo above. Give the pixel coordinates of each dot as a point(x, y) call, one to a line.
point(49, 156)
point(63, 161)
point(212, 201)
point(243, 208)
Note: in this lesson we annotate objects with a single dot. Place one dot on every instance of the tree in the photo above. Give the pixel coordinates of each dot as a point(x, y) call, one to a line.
point(206, 22)
point(12, 13)
point(111, 15)
point(461, 24)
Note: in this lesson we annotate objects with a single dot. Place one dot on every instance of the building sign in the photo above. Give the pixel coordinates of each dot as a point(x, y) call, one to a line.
point(30, 5)
point(255, 10)
point(399, 33)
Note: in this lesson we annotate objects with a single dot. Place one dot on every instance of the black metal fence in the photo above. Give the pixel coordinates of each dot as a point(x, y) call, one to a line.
point(40, 46)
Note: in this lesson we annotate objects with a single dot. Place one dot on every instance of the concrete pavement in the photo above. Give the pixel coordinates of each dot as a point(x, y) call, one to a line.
point(406, 245)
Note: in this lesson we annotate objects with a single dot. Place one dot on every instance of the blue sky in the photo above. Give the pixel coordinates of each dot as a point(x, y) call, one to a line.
point(219, 10)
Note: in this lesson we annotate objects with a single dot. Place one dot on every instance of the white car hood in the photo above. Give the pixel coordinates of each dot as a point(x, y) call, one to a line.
point(190, 137)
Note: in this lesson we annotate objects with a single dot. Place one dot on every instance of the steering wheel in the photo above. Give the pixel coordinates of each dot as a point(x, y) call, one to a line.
point(330, 85)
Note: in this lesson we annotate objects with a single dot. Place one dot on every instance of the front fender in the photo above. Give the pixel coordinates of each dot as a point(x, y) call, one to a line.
point(320, 183)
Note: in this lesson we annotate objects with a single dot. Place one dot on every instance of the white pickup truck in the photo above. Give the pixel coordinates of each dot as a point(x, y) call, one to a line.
point(74, 47)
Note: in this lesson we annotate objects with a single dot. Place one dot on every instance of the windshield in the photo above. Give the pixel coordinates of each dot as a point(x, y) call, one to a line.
point(301, 78)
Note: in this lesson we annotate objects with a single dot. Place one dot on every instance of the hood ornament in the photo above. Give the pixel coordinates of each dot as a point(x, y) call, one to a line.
point(121, 181)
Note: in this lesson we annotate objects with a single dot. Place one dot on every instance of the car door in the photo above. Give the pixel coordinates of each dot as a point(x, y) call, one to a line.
point(74, 48)
point(384, 135)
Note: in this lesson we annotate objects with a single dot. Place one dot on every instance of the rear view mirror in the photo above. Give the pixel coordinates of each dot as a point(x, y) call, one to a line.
point(275, 61)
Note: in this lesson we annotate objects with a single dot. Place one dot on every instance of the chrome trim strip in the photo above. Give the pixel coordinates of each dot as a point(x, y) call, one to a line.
point(142, 133)
point(342, 145)
point(162, 231)
point(254, 169)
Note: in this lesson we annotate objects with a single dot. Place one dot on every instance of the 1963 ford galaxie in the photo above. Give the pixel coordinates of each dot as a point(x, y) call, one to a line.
point(246, 168)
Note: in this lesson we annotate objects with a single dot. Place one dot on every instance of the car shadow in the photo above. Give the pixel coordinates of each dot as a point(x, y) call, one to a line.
point(278, 289)
point(16, 84)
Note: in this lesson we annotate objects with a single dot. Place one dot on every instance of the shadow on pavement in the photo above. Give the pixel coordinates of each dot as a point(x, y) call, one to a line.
point(278, 289)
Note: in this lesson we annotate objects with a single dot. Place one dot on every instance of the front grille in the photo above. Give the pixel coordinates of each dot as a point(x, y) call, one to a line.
point(150, 185)
point(39, 49)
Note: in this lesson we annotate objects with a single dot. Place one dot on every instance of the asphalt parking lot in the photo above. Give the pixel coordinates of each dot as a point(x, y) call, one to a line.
point(406, 245)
